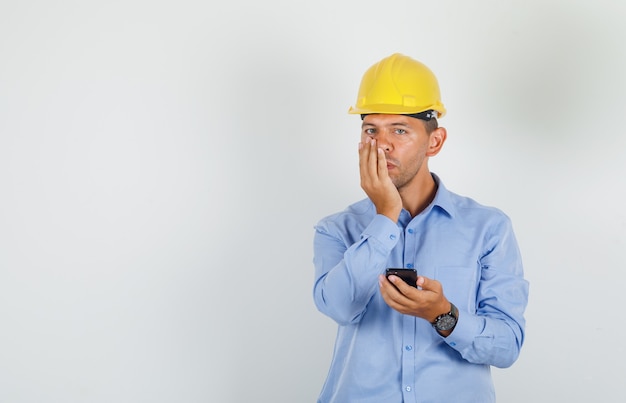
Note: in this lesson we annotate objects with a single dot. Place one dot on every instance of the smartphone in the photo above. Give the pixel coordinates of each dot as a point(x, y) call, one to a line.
point(408, 275)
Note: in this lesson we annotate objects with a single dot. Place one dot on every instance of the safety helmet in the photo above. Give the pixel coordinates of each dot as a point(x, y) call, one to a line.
point(398, 85)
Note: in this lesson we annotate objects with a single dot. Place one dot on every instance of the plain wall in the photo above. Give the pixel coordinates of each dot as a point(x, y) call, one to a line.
point(162, 164)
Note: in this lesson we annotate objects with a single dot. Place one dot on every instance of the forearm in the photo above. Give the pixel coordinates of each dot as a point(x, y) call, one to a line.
point(485, 340)
point(492, 331)
point(346, 276)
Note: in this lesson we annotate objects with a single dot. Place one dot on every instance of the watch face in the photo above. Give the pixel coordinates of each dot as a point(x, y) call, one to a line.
point(445, 322)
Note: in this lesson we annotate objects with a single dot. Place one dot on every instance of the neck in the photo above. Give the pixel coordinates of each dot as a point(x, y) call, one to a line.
point(419, 193)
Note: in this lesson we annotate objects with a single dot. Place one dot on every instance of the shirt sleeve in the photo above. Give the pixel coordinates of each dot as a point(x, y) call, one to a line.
point(494, 334)
point(346, 270)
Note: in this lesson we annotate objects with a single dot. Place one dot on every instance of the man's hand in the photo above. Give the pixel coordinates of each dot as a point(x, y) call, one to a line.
point(376, 182)
point(426, 302)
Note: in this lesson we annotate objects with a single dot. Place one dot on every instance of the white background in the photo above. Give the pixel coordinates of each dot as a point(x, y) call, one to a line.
point(162, 164)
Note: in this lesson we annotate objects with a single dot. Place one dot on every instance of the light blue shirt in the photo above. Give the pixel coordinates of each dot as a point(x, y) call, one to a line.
point(383, 356)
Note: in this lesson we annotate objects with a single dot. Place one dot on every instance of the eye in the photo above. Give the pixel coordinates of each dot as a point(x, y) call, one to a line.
point(400, 131)
point(369, 131)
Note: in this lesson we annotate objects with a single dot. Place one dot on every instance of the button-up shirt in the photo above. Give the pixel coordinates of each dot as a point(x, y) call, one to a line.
point(382, 355)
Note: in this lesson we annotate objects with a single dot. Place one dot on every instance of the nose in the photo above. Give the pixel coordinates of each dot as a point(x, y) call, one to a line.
point(383, 140)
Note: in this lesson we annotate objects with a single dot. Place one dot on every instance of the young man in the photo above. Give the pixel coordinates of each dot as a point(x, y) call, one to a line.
point(435, 340)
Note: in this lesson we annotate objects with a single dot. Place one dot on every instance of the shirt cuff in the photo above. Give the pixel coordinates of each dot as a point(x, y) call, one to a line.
point(383, 230)
point(466, 329)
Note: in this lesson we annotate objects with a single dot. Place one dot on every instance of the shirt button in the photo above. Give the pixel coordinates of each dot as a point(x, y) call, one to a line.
point(408, 348)
point(452, 344)
point(392, 237)
point(408, 388)
point(411, 230)
point(409, 265)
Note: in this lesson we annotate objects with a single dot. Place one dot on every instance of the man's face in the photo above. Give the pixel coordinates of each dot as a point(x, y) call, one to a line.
point(405, 142)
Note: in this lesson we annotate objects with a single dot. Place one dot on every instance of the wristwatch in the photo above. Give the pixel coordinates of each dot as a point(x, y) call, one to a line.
point(448, 320)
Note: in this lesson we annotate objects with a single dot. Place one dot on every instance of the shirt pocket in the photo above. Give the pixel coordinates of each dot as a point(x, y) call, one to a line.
point(460, 286)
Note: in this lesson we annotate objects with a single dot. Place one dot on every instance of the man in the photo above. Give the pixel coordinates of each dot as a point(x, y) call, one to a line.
point(433, 341)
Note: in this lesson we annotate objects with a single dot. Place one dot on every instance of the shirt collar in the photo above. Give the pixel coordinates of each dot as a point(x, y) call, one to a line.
point(443, 198)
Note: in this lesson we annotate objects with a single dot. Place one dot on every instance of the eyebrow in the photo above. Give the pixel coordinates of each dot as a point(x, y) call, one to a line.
point(390, 124)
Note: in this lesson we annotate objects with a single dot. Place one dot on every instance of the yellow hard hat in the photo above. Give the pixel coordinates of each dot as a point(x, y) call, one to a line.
point(398, 85)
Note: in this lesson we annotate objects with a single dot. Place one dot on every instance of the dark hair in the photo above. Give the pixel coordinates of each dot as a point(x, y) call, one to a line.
point(431, 125)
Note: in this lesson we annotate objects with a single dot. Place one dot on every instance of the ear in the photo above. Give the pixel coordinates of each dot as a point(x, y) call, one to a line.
point(436, 140)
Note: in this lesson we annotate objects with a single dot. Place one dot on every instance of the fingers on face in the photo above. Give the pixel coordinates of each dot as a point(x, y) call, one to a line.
point(369, 159)
point(382, 162)
point(372, 156)
point(363, 159)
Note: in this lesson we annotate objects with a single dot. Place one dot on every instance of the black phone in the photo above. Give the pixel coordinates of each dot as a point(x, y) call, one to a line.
point(408, 275)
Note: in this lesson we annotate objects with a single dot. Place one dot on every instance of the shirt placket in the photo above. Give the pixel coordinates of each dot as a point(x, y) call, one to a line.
point(408, 326)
